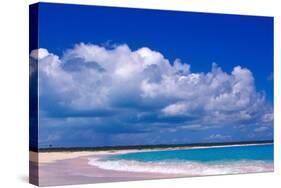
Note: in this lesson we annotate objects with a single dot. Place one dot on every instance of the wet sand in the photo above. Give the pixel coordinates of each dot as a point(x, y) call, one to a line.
point(65, 168)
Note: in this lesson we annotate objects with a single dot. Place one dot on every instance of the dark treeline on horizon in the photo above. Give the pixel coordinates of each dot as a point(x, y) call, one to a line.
point(101, 148)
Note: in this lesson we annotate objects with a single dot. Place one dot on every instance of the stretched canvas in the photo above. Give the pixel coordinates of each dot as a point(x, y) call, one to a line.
point(121, 94)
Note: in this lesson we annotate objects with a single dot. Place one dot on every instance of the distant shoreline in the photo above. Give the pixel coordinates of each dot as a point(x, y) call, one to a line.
point(147, 147)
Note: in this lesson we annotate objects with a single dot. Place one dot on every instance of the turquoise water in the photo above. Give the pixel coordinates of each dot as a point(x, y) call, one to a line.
point(192, 162)
point(232, 153)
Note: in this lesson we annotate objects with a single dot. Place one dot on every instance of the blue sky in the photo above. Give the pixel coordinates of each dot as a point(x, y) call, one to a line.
point(234, 53)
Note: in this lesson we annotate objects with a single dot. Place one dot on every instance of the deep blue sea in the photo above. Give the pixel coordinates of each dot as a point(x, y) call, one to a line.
point(193, 161)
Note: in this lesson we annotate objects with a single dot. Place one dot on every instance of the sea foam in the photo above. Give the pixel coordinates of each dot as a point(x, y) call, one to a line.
point(188, 168)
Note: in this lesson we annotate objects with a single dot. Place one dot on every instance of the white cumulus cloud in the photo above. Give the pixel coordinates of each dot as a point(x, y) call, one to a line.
point(92, 78)
point(39, 53)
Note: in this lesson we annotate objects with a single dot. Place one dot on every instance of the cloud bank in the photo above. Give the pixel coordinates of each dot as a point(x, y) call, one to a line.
point(122, 91)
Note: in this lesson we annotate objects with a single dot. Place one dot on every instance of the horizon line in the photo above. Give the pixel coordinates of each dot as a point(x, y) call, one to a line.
point(147, 146)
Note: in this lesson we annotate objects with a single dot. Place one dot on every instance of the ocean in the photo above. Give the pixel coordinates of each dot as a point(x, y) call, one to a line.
point(193, 161)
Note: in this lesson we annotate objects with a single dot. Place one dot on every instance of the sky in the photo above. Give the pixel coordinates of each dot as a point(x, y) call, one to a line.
point(119, 76)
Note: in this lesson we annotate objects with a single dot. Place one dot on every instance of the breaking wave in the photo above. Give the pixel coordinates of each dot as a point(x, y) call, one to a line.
point(184, 168)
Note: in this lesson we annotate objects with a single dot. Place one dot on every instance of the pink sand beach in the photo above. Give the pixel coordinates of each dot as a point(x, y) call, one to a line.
point(65, 168)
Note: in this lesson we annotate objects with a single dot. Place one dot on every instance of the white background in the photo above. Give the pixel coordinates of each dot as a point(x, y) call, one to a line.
point(14, 90)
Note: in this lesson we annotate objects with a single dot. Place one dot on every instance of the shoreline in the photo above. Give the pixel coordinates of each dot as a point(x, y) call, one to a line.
point(66, 169)
point(51, 156)
point(79, 167)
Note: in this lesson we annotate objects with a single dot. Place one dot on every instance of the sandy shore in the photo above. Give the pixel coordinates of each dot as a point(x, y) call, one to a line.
point(62, 168)
point(48, 157)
